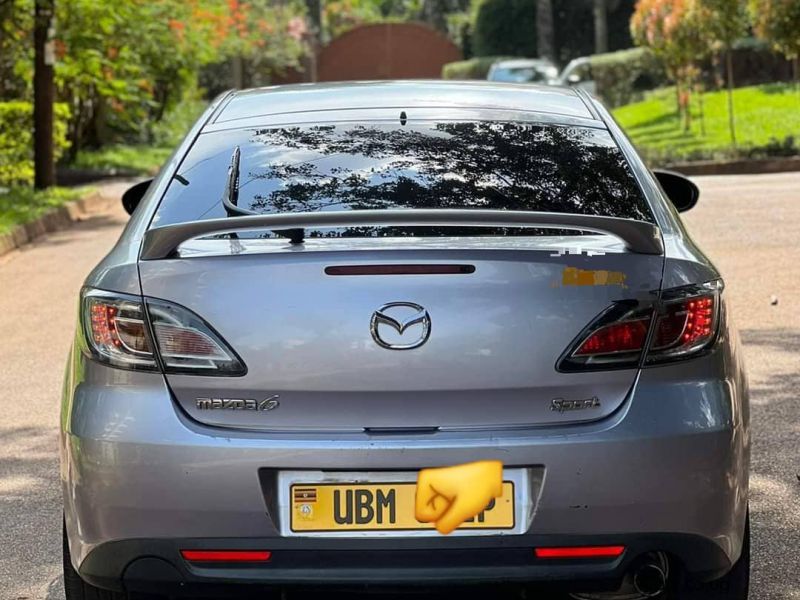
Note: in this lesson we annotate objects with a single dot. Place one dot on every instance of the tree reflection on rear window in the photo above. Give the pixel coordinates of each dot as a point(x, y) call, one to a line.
point(346, 166)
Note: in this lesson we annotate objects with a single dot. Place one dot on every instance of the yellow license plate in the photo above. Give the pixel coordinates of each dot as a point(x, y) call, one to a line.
point(379, 507)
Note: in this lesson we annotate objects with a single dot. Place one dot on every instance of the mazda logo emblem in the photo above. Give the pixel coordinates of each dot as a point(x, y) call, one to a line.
point(410, 322)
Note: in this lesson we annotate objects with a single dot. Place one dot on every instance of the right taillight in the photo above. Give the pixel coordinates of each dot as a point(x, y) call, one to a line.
point(686, 322)
point(119, 330)
point(617, 338)
point(681, 324)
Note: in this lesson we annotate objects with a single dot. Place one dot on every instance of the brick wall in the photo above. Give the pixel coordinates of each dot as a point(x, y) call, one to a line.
point(386, 51)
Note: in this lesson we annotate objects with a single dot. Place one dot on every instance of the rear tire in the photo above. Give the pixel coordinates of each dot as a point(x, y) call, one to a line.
point(76, 588)
point(733, 586)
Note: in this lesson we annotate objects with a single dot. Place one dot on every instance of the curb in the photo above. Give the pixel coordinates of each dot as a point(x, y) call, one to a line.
point(757, 166)
point(56, 219)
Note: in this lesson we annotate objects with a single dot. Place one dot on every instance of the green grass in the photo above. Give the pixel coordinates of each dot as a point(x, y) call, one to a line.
point(767, 124)
point(125, 158)
point(22, 205)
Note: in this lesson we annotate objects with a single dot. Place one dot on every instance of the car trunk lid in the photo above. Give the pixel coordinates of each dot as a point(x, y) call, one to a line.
point(317, 327)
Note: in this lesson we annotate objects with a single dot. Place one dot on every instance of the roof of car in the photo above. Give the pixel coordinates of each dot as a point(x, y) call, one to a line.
point(265, 104)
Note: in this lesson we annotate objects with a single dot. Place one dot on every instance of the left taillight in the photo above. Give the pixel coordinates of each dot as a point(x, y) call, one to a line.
point(115, 330)
point(126, 332)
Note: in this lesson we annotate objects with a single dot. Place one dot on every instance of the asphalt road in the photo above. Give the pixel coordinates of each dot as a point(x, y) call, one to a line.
point(749, 225)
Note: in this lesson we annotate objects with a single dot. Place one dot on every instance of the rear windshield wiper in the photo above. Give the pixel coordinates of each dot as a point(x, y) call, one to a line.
point(230, 200)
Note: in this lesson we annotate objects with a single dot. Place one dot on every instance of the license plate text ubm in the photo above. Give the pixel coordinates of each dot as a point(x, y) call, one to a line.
point(363, 506)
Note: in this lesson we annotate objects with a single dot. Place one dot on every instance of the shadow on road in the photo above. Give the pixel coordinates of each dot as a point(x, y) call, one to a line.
point(774, 486)
point(29, 495)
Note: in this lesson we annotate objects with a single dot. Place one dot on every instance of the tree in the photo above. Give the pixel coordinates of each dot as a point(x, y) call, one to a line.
point(119, 69)
point(315, 36)
point(16, 56)
point(438, 13)
point(43, 95)
point(778, 22)
point(600, 9)
point(675, 31)
point(545, 33)
point(726, 22)
point(113, 70)
point(505, 28)
point(340, 16)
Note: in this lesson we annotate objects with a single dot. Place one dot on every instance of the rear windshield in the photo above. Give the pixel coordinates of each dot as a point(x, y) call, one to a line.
point(351, 166)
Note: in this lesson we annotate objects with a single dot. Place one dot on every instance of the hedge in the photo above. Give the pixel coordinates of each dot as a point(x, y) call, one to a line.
point(16, 140)
point(622, 76)
point(474, 68)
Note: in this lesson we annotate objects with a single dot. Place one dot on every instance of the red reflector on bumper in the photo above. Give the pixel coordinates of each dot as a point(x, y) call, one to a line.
point(580, 552)
point(226, 555)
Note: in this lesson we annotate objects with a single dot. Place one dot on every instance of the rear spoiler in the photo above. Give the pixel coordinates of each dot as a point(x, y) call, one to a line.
point(638, 236)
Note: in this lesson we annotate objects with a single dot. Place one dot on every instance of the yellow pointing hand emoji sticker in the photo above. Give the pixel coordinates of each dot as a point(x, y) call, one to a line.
point(448, 496)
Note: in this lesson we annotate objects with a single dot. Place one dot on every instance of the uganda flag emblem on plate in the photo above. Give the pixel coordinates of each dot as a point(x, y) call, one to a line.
point(305, 495)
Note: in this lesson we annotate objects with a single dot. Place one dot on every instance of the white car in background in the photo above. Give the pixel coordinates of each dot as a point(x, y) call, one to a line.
point(578, 73)
point(524, 70)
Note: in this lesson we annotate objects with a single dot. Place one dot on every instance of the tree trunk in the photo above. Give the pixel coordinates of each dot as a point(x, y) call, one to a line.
point(702, 110)
point(314, 9)
point(315, 37)
point(237, 72)
point(685, 99)
point(731, 117)
point(600, 26)
point(545, 34)
point(43, 95)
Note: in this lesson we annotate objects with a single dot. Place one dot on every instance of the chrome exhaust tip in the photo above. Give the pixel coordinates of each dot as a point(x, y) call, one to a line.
point(650, 580)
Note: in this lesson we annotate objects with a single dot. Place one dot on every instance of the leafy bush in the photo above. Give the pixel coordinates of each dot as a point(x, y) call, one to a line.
point(506, 27)
point(144, 159)
point(177, 121)
point(16, 140)
point(122, 159)
point(474, 68)
point(622, 76)
point(754, 62)
point(788, 146)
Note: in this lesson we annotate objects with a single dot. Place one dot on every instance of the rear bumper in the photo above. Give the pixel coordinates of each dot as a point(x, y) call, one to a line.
point(156, 565)
point(668, 471)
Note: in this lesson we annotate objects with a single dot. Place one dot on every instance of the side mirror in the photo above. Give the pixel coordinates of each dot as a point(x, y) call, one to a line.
point(134, 194)
point(679, 189)
point(574, 79)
